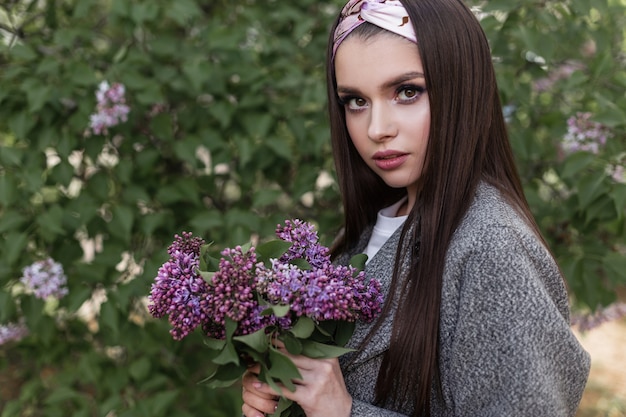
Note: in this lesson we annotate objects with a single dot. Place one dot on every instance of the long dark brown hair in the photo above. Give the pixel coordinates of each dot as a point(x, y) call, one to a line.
point(468, 143)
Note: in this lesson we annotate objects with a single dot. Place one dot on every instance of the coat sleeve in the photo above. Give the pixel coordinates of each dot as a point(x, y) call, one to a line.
point(510, 351)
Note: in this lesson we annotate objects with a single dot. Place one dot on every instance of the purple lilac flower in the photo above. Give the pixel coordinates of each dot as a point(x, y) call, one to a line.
point(233, 292)
point(327, 293)
point(178, 290)
point(305, 243)
point(45, 279)
point(111, 107)
point(12, 332)
point(242, 288)
point(583, 134)
point(560, 72)
point(586, 322)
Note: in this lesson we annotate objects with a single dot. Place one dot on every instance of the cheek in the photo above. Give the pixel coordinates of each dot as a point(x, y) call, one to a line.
point(357, 134)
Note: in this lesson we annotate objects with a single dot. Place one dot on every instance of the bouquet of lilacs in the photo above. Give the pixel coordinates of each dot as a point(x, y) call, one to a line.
point(286, 289)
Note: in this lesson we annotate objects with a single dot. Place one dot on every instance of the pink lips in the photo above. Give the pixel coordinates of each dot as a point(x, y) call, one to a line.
point(388, 160)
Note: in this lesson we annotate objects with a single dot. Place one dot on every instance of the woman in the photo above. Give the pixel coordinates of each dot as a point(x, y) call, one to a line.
point(476, 319)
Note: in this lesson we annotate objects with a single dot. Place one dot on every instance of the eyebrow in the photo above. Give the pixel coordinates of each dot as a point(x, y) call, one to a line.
point(389, 84)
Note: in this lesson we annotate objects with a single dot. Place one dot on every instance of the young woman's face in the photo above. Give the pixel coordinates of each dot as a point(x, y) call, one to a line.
point(380, 82)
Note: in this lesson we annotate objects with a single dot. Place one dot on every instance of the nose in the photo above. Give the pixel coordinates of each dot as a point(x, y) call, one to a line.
point(381, 126)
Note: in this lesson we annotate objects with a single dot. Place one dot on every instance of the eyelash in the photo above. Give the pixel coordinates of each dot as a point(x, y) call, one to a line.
point(344, 101)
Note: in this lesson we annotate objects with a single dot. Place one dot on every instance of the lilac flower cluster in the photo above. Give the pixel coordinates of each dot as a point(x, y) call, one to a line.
point(586, 322)
point(12, 332)
point(178, 290)
point(233, 294)
point(583, 134)
point(45, 279)
point(327, 293)
point(305, 243)
point(561, 72)
point(243, 288)
point(111, 107)
point(189, 301)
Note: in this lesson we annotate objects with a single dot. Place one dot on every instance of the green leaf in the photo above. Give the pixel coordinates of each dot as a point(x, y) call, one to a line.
point(109, 318)
point(208, 262)
point(227, 355)
point(141, 12)
point(140, 369)
point(589, 188)
point(343, 332)
point(231, 326)
point(615, 263)
point(273, 249)
point(214, 344)
point(301, 264)
point(283, 369)
point(8, 307)
point(163, 400)
point(258, 340)
point(11, 156)
point(264, 197)
point(8, 191)
point(207, 276)
point(37, 97)
point(14, 243)
point(358, 261)
point(225, 376)
point(303, 328)
point(33, 311)
point(61, 394)
point(182, 11)
point(257, 124)
point(576, 163)
point(277, 310)
point(292, 344)
point(122, 222)
point(619, 198)
point(318, 350)
point(77, 297)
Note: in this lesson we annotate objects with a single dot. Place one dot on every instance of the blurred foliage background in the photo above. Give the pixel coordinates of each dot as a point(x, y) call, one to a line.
point(226, 136)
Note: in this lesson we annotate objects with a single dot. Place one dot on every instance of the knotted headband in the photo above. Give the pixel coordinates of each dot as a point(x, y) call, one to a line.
point(387, 14)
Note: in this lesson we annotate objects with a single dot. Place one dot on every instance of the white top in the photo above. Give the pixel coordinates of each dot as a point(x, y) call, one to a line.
point(386, 223)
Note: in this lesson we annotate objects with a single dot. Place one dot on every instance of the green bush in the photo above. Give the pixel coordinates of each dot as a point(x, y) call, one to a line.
point(227, 136)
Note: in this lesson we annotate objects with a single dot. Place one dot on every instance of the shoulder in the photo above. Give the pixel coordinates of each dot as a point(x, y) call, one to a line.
point(494, 250)
point(492, 225)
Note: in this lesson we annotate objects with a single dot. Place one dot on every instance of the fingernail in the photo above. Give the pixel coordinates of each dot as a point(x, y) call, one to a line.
point(257, 385)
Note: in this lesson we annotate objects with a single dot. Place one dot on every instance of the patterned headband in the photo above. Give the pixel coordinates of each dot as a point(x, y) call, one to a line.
point(387, 14)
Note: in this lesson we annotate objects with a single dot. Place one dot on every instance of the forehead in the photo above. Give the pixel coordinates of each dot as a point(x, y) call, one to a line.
point(375, 59)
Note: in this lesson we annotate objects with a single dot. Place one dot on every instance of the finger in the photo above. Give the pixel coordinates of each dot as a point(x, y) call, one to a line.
point(254, 404)
point(251, 412)
point(254, 369)
point(253, 385)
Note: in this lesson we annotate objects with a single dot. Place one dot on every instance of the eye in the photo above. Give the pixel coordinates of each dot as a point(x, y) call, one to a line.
point(353, 103)
point(410, 93)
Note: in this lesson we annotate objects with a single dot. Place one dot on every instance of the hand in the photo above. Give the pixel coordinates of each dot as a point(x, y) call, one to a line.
point(256, 403)
point(321, 392)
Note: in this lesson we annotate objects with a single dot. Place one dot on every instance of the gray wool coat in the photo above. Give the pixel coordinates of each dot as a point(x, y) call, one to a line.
point(506, 347)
